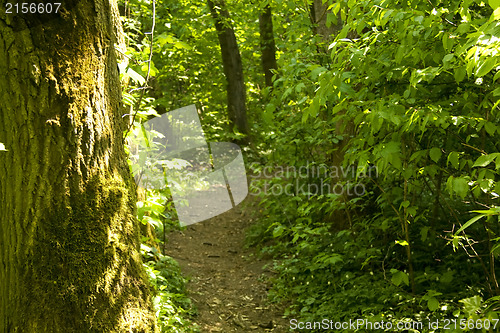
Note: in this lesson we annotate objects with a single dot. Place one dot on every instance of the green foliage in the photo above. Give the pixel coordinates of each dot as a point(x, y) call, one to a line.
point(172, 306)
point(145, 73)
point(409, 88)
point(170, 301)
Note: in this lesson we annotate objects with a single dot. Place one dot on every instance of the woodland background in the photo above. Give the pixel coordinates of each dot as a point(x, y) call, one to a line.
point(406, 88)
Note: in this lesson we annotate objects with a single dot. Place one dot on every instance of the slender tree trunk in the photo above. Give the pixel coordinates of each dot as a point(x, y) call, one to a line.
point(319, 16)
point(267, 44)
point(233, 68)
point(69, 242)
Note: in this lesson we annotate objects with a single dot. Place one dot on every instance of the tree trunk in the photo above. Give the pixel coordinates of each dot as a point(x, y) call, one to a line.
point(328, 31)
point(319, 17)
point(233, 68)
point(267, 44)
point(69, 241)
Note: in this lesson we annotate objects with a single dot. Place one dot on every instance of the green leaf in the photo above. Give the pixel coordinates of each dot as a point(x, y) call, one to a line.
point(333, 259)
point(472, 304)
point(453, 159)
point(402, 243)
point(155, 222)
point(448, 57)
point(399, 277)
point(433, 303)
point(496, 14)
point(460, 74)
point(490, 127)
point(497, 75)
point(312, 110)
point(423, 233)
point(486, 66)
point(435, 154)
point(484, 160)
point(136, 76)
point(460, 186)
point(469, 223)
point(494, 3)
point(316, 72)
point(278, 231)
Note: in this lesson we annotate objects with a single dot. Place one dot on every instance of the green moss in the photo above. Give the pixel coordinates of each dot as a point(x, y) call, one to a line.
point(86, 254)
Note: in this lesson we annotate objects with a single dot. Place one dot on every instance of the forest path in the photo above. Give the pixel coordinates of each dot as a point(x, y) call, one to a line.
point(225, 278)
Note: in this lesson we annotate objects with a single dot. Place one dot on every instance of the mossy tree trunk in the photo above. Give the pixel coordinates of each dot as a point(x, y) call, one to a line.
point(69, 242)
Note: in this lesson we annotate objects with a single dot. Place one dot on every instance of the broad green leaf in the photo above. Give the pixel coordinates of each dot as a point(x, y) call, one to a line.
point(460, 186)
point(432, 303)
point(496, 14)
point(453, 159)
point(447, 58)
point(494, 3)
point(347, 89)
point(152, 221)
point(435, 154)
point(316, 72)
point(490, 127)
point(486, 66)
point(460, 74)
point(136, 76)
point(268, 114)
point(497, 75)
point(335, 8)
point(447, 42)
point(484, 160)
point(399, 277)
point(299, 87)
point(495, 250)
point(312, 110)
point(278, 231)
point(164, 38)
point(472, 304)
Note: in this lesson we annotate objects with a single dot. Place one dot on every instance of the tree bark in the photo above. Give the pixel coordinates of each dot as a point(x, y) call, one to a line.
point(267, 44)
point(319, 17)
point(69, 241)
point(233, 68)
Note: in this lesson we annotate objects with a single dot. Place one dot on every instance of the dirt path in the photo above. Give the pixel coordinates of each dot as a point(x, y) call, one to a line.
point(226, 284)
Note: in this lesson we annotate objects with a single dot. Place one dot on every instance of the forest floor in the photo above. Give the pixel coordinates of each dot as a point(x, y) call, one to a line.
point(227, 281)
